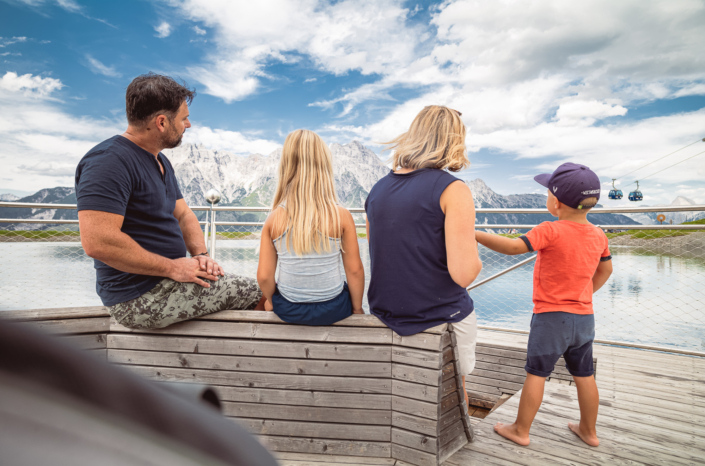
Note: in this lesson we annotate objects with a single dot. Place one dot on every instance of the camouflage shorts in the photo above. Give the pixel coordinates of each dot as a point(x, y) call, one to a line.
point(170, 302)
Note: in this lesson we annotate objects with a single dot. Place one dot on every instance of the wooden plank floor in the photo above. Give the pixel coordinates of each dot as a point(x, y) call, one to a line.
point(652, 412)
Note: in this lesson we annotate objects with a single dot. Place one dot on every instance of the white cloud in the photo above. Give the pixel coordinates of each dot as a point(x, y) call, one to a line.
point(369, 36)
point(5, 41)
point(163, 30)
point(310, 80)
point(69, 5)
point(231, 141)
point(586, 112)
point(99, 68)
point(693, 89)
point(39, 141)
point(29, 85)
point(199, 31)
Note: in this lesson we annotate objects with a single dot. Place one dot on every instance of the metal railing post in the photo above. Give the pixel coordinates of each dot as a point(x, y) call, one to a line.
point(212, 197)
point(213, 233)
point(205, 231)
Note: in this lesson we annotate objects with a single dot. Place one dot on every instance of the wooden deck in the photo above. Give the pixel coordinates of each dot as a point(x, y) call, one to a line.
point(652, 412)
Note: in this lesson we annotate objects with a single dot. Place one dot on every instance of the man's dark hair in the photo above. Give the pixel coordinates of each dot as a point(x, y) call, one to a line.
point(151, 94)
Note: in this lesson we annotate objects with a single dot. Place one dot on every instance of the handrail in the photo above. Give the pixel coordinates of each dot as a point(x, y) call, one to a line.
point(507, 270)
point(362, 225)
point(360, 210)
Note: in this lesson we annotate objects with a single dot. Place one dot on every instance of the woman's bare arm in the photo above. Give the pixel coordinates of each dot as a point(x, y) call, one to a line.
point(464, 262)
point(354, 271)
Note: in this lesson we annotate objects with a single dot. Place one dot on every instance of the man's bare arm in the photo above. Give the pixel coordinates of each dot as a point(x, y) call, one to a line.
point(102, 239)
point(190, 228)
point(193, 237)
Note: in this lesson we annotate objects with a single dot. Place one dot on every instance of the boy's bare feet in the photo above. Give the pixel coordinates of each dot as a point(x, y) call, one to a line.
point(509, 431)
point(591, 440)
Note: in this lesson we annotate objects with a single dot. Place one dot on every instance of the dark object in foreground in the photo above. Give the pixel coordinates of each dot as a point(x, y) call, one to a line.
point(59, 405)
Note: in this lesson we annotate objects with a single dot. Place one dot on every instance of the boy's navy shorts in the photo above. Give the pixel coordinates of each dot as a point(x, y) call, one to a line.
point(556, 334)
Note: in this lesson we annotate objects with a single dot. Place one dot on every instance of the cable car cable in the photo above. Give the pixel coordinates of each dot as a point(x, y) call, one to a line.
point(645, 177)
point(660, 158)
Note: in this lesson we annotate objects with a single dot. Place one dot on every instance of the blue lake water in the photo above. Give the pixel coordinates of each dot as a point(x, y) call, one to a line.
point(650, 299)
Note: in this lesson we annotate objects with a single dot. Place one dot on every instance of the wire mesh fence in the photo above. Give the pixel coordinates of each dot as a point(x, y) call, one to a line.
point(656, 295)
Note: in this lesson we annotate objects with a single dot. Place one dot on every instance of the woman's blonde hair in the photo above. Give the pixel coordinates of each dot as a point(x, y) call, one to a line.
point(307, 191)
point(436, 139)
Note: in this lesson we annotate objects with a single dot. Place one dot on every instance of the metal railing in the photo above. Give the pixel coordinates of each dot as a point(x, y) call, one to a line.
point(654, 300)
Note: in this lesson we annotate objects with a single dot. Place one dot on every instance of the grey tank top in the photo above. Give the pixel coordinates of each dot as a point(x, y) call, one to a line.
point(311, 278)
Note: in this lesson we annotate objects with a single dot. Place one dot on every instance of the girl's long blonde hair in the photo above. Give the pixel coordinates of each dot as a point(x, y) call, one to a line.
point(307, 190)
point(436, 139)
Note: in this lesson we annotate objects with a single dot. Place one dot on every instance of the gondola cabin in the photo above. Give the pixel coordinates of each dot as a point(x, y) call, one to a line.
point(615, 194)
point(636, 195)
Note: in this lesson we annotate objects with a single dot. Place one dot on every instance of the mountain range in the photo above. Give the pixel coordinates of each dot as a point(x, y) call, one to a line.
point(251, 181)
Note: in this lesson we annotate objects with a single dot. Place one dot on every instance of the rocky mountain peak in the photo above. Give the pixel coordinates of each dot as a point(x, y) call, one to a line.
point(8, 197)
point(682, 200)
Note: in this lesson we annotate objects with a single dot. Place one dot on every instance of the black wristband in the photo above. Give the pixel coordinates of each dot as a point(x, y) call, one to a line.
point(201, 254)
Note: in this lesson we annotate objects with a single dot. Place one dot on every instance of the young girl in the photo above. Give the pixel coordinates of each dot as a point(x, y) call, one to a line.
point(313, 239)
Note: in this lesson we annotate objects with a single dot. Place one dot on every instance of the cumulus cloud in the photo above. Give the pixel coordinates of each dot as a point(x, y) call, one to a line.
point(231, 141)
point(163, 30)
point(99, 68)
point(41, 142)
point(369, 36)
point(199, 31)
point(33, 126)
point(29, 85)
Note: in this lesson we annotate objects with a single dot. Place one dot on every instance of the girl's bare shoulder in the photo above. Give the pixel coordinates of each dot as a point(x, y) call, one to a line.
point(276, 222)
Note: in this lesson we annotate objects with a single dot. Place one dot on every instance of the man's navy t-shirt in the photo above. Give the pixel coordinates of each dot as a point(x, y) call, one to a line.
point(119, 177)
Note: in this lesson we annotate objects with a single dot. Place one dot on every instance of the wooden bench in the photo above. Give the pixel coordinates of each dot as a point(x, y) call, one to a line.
point(85, 327)
point(355, 388)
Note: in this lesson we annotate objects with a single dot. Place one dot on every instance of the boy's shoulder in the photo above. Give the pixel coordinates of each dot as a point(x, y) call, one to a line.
point(565, 233)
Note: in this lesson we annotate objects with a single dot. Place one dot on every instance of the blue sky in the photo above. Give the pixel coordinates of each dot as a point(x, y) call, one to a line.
point(613, 85)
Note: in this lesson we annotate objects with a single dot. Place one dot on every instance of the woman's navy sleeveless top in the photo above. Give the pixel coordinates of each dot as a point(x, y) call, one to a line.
point(410, 288)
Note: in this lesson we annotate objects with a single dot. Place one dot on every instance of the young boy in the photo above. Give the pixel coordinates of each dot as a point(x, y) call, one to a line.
point(573, 262)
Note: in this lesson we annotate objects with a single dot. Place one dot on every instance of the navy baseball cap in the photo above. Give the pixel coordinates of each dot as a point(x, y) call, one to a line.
point(571, 183)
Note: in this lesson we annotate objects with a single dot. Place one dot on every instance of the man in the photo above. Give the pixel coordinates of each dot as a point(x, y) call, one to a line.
point(136, 225)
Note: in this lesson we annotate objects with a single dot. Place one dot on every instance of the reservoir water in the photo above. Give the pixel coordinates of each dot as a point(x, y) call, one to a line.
point(650, 299)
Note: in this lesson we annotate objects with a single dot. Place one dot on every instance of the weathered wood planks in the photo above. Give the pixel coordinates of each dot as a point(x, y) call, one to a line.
point(29, 315)
point(269, 332)
point(251, 364)
point(322, 383)
point(251, 347)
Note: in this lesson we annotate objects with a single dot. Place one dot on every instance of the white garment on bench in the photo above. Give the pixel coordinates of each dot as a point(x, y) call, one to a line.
point(466, 339)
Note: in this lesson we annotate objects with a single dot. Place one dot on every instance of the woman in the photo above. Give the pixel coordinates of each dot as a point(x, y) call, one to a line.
point(312, 238)
point(420, 228)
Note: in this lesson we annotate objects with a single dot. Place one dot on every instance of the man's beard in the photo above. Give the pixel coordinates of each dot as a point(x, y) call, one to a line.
point(171, 138)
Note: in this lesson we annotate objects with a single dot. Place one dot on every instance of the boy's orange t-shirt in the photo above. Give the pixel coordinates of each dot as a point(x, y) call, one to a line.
point(568, 256)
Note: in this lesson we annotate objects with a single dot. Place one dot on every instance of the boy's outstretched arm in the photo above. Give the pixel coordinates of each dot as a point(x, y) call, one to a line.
point(501, 244)
point(603, 272)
